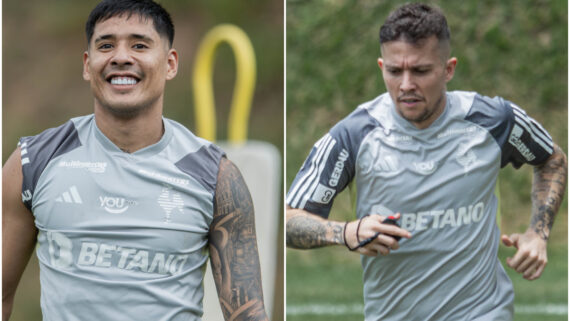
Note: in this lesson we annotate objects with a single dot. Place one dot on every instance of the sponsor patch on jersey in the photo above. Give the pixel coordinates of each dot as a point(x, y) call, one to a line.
point(398, 138)
point(425, 168)
point(469, 130)
point(437, 219)
point(323, 194)
point(94, 167)
point(104, 255)
point(165, 178)
point(115, 205)
point(338, 167)
point(515, 140)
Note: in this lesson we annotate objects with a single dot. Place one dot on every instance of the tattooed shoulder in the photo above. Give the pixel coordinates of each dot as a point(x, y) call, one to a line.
point(233, 248)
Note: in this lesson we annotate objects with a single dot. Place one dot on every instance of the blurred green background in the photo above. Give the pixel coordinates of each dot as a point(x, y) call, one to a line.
point(514, 49)
point(43, 44)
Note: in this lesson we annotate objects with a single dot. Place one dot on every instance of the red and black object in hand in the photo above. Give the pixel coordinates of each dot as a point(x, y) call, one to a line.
point(391, 220)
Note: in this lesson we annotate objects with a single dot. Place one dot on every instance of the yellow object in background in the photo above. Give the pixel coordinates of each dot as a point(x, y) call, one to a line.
point(259, 162)
point(243, 90)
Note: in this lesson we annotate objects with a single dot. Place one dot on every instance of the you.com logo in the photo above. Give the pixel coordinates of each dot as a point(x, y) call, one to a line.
point(115, 205)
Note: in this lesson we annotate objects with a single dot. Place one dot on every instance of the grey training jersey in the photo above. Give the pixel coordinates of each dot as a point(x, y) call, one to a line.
point(441, 179)
point(121, 236)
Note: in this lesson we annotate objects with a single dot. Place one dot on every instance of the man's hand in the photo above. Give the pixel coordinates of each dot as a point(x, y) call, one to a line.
point(369, 226)
point(548, 186)
point(530, 258)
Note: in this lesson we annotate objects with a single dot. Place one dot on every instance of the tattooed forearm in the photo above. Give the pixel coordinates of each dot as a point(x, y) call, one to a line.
point(306, 231)
point(233, 248)
point(548, 189)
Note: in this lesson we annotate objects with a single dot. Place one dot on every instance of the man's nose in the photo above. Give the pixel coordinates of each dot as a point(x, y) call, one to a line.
point(408, 82)
point(122, 56)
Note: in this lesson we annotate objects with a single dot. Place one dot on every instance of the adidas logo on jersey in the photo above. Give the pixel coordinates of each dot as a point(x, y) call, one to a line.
point(387, 164)
point(70, 196)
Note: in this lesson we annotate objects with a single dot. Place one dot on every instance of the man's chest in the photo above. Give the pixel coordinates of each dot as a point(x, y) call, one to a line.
point(458, 162)
point(93, 194)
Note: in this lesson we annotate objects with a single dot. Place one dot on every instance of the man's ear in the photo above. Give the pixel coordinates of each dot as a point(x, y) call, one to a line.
point(450, 68)
point(86, 74)
point(380, 63)
point(172, 64)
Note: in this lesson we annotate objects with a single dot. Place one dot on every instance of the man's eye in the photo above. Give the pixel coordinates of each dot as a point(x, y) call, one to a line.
point(105, 46)
point(395, 71)
point(421, 71)
point(139, 46)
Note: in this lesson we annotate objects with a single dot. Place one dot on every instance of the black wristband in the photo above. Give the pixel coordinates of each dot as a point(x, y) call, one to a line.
point(344, 237)
point(358, 228)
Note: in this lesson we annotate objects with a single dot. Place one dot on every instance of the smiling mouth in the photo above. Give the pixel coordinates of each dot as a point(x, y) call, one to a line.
point(122, 80)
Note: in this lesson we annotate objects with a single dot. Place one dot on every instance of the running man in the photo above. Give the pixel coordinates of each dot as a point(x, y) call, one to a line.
point(428, 159)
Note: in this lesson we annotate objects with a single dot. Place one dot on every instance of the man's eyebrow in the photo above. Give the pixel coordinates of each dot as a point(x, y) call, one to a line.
point(104, 37)
point(393, 66)
point(134, 36)
point(142, 37)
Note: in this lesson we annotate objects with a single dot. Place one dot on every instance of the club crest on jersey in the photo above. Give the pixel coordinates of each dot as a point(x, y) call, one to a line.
point(170, 201)
point(465, 156)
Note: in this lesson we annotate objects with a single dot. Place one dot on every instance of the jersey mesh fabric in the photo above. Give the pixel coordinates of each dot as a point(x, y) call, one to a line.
point(441, 179)
point(121, 236)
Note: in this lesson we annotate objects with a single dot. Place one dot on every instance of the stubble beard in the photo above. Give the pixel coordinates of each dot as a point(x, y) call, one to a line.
point(126, 111)
point(427, 113)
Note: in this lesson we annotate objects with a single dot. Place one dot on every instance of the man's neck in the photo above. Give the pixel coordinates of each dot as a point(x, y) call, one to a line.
point(131, 133)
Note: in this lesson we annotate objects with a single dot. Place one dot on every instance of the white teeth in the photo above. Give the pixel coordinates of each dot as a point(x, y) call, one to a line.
point(123, 81)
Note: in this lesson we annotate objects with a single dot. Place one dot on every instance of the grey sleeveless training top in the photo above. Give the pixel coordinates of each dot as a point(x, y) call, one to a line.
point(121, 236)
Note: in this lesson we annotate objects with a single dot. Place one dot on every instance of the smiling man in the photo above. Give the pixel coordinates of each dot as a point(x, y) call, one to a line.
point(424, 162)
point(127, 206)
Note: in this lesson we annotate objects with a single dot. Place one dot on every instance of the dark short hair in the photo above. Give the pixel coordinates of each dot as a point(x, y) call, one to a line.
point(413, 23)
point(144, 8)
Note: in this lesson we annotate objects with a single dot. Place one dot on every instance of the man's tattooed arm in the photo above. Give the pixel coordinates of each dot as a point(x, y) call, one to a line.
point(233, 248)
point(307, 231)
point(548, 189)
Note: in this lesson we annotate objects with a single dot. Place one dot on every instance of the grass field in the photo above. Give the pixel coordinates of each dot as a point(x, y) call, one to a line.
point(330, 279)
